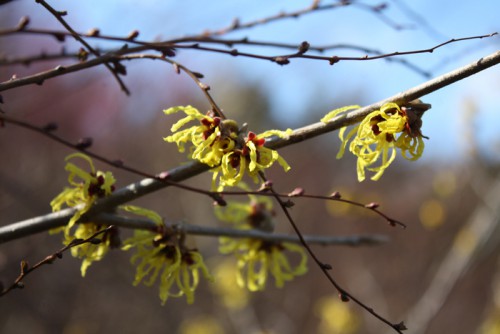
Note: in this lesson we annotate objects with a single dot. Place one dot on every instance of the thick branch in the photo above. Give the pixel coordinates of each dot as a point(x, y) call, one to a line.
point(149, 185)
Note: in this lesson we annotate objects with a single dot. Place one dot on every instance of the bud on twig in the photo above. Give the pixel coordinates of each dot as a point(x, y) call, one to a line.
point(23, 23)
point(84, 143)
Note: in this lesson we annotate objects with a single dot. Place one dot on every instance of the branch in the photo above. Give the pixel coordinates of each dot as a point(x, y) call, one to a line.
point(411, 94)
point(183, 172)
point(143, 223)
point(166, 49)
point(26, 269)
point(59, 16)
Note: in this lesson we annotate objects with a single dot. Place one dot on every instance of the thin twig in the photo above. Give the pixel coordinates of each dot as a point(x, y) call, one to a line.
point(194, 75)
point(26, 269)
point(59, 16)
point(322, 240)
point(183, 172)
point(344, 295)
point(166, 48)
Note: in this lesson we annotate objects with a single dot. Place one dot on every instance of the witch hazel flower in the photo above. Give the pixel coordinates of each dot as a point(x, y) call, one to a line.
point(162, 256)
point(380, 134)
point(86, 188)
point(231, 151)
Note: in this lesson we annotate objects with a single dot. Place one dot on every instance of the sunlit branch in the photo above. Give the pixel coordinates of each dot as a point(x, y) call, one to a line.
point(183, 172)
point(166, 49)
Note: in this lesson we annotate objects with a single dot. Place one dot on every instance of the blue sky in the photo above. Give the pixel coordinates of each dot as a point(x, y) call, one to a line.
point(298, 88)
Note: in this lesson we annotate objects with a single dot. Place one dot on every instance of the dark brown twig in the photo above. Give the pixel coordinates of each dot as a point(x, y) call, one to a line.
point(26, 269)
point(116, 70)
point(344, 295)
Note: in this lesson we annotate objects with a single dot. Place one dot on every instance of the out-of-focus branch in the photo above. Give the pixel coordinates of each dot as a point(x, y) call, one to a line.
point(142, 223)
point(482, 229)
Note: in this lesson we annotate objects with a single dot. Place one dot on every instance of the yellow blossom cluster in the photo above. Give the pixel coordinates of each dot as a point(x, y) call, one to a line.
point(86, 188)
point(379, 135)
point(222, 145)
point(162, 255)
point(257, 259)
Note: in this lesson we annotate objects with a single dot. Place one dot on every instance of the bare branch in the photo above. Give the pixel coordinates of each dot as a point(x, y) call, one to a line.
point(166, 49)
point(142, 223)
point(59, 16)
point(183, 172)
point(26, 269)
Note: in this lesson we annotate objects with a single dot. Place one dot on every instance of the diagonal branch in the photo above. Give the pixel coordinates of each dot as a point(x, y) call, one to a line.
point(59, 16)
point(183, 172)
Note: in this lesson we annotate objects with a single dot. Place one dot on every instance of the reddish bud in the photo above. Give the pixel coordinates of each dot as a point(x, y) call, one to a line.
point(372, 205)
point(336, 195)
point(163, 175)
point(296, 192)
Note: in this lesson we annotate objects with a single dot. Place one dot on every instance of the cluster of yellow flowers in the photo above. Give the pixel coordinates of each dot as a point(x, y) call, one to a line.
point(231, 152)
point(220, 144)
point(158, 251)
point(86, 188)
point(381, 131)
point(256, 258)
point(162, 254)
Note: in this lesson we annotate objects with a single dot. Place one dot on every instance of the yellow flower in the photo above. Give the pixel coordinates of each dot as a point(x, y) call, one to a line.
point(86, 188)
point(257, 258)
point(222, 145)
point(379, 135)
point(160, 255)
point(256, 214)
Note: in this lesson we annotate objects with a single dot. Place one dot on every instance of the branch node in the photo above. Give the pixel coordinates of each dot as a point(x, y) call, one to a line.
point(24, 267)
point(49, 127)
point(281, 60)
point(84, 143)
point(333, 60)
point(304, 47)
point(94, 32)
point(372, 205)
point(23, 23)
point(336, 195)
point(400, 326)
point(344, 297)
point(133, 34)
point(297, 192)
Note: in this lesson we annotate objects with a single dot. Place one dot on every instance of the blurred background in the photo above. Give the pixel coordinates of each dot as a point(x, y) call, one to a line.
point(440, 275)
